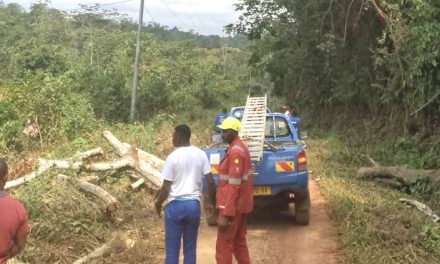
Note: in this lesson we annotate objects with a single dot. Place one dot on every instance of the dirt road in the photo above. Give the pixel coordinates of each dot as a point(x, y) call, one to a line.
point(276, 239)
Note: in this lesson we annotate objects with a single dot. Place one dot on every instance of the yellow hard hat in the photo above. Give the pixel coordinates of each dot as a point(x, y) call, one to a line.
point(231, 123)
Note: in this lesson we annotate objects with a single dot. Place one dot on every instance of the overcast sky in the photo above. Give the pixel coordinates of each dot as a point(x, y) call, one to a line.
point(207, 17)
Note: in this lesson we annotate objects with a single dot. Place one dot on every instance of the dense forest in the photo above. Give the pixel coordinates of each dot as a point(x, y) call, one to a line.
point(366, 63)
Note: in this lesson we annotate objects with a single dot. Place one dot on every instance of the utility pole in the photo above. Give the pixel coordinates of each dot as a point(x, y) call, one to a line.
point(136, 63)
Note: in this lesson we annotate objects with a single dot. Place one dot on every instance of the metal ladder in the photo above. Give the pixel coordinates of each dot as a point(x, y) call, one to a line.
point(253, 125)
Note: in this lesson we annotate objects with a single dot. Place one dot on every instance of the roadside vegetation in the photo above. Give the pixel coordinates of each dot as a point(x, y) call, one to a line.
point(374, 226)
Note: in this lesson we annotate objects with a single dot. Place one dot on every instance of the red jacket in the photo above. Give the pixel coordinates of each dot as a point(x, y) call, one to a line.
point(234, 191)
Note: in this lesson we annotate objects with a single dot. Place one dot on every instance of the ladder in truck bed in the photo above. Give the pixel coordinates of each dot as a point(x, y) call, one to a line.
point(253, 125)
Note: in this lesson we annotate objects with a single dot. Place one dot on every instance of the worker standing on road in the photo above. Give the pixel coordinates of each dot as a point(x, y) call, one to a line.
point(182, 173)
point(234, 198)
point(13, 221)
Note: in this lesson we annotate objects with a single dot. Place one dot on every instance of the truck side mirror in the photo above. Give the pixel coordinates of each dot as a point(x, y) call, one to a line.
point(303, 134)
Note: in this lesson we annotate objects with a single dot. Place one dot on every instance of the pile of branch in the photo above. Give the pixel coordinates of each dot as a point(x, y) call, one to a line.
point(146, 166)
point(145, 169)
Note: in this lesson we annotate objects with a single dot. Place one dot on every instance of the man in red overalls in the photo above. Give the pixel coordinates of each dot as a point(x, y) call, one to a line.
point(234, 198)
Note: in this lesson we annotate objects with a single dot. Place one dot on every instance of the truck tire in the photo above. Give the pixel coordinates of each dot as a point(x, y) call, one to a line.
point(302, 217)
point(302, 209)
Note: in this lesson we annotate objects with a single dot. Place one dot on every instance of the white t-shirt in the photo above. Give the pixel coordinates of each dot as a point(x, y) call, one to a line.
point(185, 167)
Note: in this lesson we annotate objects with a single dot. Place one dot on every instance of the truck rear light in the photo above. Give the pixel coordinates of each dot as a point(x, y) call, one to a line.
point(302, 161)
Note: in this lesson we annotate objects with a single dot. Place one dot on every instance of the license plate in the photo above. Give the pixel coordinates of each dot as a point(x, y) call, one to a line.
point(262, 190)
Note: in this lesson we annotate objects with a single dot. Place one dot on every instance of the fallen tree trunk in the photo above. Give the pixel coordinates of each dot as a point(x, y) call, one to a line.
point(110, 201)
point(130, 160)
point(422, 207)
point(399, 176)
point(122, 149)
point(146, 164)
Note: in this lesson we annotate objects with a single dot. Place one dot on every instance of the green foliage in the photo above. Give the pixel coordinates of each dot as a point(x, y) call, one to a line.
point(50, 101)
point(350, 55)
point(431, 235)
point(420, 186)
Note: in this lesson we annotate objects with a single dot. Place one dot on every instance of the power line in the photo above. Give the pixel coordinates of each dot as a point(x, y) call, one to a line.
point(190, 18)
point(173, 13)
point(197, 15)
point(148, 12)
point(115, 3)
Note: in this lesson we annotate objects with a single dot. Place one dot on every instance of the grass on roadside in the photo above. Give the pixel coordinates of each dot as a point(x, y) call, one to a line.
point(373, 226)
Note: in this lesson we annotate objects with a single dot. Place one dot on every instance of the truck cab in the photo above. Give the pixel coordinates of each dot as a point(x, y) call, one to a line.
point(281, 176)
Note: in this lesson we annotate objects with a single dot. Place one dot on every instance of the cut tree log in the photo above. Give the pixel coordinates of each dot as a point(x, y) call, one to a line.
point(423, 208)
point(130, 160)
point(122, 149)
point(110, 201)
point(137, 184)
point(117, 244)
point(147, 165)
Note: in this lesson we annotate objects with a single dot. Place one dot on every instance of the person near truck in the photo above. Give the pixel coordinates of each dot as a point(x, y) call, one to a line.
point(14, 228)
point(219, 119)
point(234, 196)
point(182, 173)
point(292, 114)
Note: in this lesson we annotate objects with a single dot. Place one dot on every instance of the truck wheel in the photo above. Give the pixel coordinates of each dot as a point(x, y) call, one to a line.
point(302, 217)
point(302, 208)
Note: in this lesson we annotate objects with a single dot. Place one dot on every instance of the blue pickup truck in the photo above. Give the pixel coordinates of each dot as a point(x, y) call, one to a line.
point(281, 177)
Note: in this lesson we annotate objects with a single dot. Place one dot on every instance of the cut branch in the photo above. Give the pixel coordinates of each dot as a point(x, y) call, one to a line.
point(110, 201)
point(108, 166)
point(135, 185)
point(44, 165)
point(90, 153)
point(115, 245)
point(423, 208)
point(426, 104)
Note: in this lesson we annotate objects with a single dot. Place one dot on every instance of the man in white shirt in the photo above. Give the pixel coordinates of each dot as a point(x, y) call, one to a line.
point(182, 187)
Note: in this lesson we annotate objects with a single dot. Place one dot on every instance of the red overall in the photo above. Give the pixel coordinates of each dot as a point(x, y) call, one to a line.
point(234, 198)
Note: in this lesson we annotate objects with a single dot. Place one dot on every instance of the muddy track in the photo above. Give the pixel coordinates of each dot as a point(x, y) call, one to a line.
point(276, 239)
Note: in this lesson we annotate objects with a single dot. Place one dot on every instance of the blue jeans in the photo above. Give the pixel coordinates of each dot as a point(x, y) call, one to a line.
point(182, 219)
